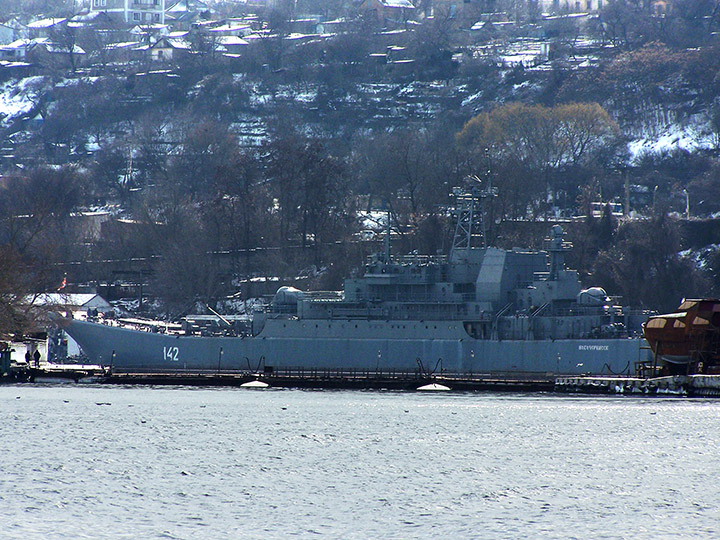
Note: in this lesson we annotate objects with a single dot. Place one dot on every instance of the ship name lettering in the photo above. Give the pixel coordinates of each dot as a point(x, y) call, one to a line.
point(171, 353)
point(593, 347)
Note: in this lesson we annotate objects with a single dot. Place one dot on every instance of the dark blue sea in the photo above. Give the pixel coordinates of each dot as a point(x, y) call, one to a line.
point(82, 461)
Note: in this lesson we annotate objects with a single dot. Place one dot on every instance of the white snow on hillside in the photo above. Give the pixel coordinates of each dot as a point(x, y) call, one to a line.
point(690, 137)
point(17, 97)
point(700, 257)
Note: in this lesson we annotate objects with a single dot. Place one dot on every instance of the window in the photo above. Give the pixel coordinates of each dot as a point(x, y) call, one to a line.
point(156, 16)
point(136, 16)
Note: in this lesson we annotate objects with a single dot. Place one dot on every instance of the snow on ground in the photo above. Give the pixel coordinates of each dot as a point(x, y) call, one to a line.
point(258, 99)
point(474, 98)
point(691, 137)
point(17, 97)
point(306, 97)
point(700, 257)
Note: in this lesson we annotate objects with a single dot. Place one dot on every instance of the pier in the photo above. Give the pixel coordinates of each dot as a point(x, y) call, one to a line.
point(339, 379)
point(678, 385)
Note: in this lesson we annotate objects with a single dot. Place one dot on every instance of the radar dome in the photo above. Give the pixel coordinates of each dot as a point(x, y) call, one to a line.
point(594, 296)
point(287, 295)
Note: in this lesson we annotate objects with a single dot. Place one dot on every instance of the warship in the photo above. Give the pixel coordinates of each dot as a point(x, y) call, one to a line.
point(477, 310)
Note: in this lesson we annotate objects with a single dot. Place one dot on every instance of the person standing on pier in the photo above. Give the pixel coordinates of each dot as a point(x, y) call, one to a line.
point(36, 356)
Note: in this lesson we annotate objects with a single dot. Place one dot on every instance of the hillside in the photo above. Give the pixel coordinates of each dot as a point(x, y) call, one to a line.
point(259, 137)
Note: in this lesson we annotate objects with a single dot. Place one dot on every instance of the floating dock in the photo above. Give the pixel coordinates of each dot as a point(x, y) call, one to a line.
point(53, 373)
point(679, 385)
point(339, 379)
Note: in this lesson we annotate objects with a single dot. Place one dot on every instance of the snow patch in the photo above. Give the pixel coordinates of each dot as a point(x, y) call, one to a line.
point(18, 97)
point(701, 258)
point(673, 137)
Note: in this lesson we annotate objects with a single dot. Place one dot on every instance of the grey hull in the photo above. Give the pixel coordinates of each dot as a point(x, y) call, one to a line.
point(354, 345)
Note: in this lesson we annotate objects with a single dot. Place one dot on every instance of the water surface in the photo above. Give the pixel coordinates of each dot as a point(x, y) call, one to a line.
point(139, 462)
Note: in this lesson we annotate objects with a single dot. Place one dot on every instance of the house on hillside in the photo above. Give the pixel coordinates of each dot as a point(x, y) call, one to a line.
point(261, 4)
point(132, 11)
point(181, 14)
point(14, 51)
point(458, 13)
point(45, 27)
point(231, 45)
point(387, 12)
point(229, 27)
point(75, 303)
point(89, 224)
point(7, 34)
point(94, 19)
point(45, 52)
point(167, 48)
point(570, 6)
point(121, 52)
point(335, 26)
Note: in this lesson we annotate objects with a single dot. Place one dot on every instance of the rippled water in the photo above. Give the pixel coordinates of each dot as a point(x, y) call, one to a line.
point(112, 462)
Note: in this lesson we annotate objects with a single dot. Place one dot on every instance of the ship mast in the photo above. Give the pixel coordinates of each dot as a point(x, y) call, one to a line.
point(387, 234)
point(470, 215)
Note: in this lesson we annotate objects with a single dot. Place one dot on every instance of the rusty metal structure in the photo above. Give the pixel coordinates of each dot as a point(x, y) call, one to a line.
point(687, 341)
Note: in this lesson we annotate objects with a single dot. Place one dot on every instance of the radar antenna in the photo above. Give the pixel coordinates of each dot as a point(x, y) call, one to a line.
point(470, 213)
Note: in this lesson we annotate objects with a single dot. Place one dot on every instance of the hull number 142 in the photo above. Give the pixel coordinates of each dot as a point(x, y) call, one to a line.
point(170, 353)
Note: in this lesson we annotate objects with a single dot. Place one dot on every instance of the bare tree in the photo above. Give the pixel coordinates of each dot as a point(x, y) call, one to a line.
point(207, 149)
point(645, 266)
point(186, 272)
point(97, 40)
point(309, 185)
point(32, 210)
point(16, 288)
point(411, 170)
point(65, 37)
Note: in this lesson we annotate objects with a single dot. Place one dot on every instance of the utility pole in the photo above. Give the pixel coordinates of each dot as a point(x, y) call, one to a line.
point(627, 193)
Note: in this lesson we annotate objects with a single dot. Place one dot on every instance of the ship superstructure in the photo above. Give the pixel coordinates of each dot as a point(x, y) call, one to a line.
point(516, 294)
